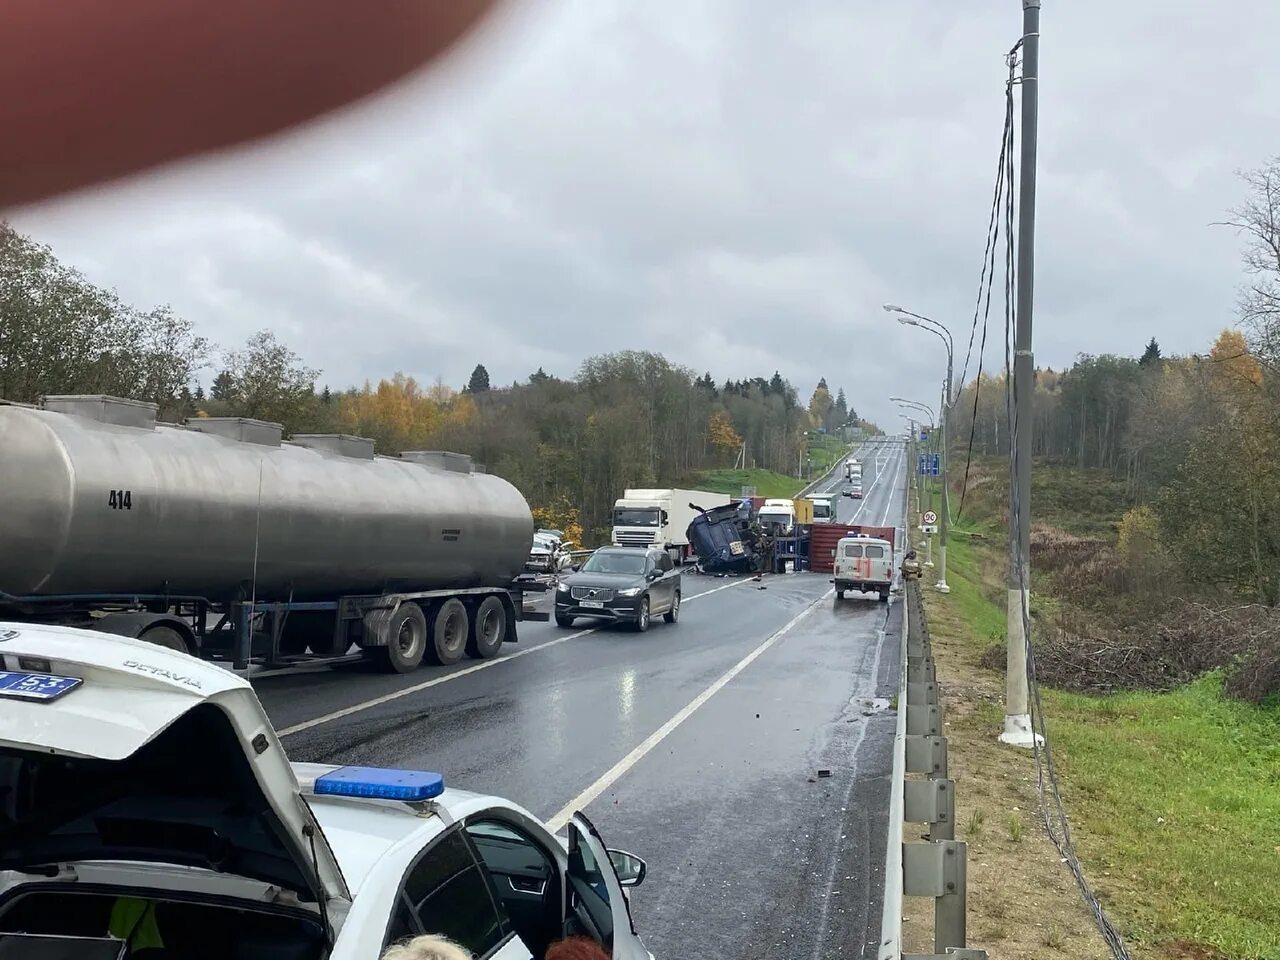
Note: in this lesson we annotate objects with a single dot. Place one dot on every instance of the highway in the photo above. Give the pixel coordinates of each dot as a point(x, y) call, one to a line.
point(743, 752)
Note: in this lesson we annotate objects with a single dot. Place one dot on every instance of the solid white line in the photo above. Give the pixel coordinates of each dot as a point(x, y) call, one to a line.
point(466, 671)
point(866, 496)
point(611, 775)
point(893, 489)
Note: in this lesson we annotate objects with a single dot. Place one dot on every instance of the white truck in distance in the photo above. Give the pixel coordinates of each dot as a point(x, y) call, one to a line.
point(853, 470)
point(661, 516)
point(824, 508)
point(779, 514)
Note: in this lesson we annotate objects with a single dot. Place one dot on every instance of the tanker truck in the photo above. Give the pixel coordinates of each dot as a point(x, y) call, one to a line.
point(221, 538)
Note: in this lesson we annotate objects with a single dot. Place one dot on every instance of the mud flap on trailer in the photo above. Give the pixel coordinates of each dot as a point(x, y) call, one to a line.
point(377, 624)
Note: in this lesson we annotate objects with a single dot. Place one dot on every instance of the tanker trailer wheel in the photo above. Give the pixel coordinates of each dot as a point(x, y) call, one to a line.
point(406, 639)
point(488, 629)
point(166, 637)
point(449, 633)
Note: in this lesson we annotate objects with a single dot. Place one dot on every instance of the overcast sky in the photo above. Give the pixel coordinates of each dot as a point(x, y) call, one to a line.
point(738, 184)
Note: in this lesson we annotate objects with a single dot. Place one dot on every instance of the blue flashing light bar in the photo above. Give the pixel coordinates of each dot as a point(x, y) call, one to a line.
point(380, 783)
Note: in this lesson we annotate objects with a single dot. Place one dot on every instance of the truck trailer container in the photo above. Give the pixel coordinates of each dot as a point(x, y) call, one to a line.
point(221, 538)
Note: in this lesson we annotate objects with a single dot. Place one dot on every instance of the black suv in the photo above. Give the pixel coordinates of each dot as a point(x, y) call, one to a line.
point(626, 584)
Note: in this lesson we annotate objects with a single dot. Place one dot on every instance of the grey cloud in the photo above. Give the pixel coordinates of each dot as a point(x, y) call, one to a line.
point(737, 184)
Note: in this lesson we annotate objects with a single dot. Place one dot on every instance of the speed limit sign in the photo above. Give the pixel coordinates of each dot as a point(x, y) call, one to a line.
point(929, 518)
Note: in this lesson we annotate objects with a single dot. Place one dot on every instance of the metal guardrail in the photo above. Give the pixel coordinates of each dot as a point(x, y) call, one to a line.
point(936, 867)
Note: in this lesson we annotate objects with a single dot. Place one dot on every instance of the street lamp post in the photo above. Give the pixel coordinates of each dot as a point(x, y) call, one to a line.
point(907, 318)
point(926, 503)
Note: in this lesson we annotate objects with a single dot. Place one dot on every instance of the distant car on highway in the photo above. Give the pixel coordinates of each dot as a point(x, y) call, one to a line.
point(854, 491)
point(625, 584)
point(148, 800)
point(550, 552)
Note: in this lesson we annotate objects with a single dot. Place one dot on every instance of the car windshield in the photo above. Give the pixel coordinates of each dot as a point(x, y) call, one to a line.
point(614, 561)
point(635, 517)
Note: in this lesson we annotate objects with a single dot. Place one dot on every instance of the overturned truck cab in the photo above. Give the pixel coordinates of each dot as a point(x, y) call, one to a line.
point(724, 540)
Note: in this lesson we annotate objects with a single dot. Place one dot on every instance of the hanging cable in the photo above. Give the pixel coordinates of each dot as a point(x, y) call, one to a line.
point(986, 280)
point(1047, 786)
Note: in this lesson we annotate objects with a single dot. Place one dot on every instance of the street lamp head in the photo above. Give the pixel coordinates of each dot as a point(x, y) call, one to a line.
point(892, 308)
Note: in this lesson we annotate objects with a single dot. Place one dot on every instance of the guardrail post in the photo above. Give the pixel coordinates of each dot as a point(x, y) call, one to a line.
point(937, 869)
point(925, 692)
point(924, 719)
point(921, 670)
point(928, 755)
point(932, 802)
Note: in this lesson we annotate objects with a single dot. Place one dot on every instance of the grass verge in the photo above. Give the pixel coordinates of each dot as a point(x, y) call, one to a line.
point(1174, 798)
point(766, 482)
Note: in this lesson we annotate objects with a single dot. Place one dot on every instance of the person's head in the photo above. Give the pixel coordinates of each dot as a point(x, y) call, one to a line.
point(911, 554)
point(426, 947)
point(576, 948)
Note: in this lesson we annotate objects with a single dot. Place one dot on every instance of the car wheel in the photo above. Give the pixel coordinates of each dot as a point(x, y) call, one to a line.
point(563, 621)
point(642, 621)
point(406, 640)
point(884, 596)
point(672, 615)
point(839, 594)
point(488, 629)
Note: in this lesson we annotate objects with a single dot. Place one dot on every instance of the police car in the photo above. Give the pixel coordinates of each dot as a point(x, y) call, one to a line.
point(146, 802)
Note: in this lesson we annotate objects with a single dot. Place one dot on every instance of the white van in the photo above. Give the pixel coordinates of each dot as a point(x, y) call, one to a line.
point(865, 564)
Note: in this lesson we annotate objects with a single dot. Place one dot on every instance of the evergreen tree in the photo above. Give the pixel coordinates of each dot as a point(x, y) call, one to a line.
point(479, 382)
point(224, 386)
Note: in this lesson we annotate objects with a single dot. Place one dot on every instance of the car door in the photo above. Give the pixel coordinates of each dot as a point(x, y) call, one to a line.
point(448, 890)
point(597, 905)
point(669, 580)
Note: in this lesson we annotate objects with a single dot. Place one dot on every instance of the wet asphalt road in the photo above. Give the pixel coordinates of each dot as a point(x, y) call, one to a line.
point(751, 852)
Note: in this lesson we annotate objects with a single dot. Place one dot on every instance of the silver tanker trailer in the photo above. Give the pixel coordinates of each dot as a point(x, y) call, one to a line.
point(221, 538)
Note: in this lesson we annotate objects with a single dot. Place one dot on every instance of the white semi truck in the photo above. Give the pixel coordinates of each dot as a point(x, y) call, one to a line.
point(661, 516)
point(853, 470)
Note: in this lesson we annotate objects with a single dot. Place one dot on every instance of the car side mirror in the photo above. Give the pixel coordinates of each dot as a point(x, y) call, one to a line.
point(629, 868)
point(653, 575)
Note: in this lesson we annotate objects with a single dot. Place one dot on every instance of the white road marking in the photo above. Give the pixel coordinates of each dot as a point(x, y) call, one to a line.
point(466, 671)
point(866, 497)
point(893, 489)
point(611, 776)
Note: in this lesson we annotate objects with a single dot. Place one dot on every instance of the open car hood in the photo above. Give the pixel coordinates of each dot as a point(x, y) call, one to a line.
point(116, 749)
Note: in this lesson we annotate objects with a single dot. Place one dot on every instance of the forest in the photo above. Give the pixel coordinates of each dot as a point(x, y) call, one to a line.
point(571, 445)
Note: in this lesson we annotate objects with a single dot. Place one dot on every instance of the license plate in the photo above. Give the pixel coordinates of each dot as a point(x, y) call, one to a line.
point(35, 686)
point(592, 605)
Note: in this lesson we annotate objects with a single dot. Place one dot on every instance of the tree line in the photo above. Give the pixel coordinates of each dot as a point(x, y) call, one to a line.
point(1197, 437)
point(571, 445)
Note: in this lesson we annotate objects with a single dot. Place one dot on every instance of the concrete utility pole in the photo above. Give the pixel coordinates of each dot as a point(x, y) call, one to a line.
point(1017, 714)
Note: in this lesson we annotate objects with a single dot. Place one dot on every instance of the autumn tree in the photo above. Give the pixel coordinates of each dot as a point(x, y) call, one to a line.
point(721, 434)
point(820, 403)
